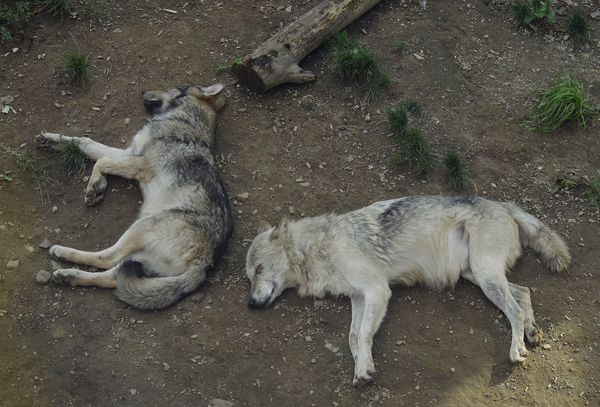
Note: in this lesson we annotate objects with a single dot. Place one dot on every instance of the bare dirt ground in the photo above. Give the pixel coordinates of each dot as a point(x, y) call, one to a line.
point(302, 151)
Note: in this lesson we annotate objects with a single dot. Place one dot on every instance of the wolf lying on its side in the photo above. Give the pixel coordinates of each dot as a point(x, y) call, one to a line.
point(185, 220)
point(432, 240)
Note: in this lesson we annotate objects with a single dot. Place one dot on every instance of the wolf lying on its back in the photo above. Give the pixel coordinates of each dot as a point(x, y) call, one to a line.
point(432, 240)
point(185, 220)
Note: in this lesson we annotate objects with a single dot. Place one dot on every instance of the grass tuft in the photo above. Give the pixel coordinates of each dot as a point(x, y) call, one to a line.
point(593, 191)
point(563, 101)
point(413, 106)
point(578, 26)
point(397, 118)
point(13, 16)
point(413, 147)
point(55, 7)
point(352, 59)
point(77, 67)
point(72, 156)
point(529, 11)
point(95, 8)
point(455, 169)
point(27, 164)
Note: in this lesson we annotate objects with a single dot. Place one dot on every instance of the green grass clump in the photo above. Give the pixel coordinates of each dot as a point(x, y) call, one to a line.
point(77, 67)
point(413, 106)
point(530, 11)
point(13, 14)
point(455, 169)
point(72, 156)
point(95, 8)
point(27, 164)
point(578, 26)
point(352, 59)
point(413, 147)
point(563, 101)
point(400, 46)
point(593, 191)
point(397, 118)
point(55, 6)
point(236, 62)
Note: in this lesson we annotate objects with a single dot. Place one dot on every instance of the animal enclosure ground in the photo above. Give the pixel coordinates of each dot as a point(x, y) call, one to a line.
point(299, 150)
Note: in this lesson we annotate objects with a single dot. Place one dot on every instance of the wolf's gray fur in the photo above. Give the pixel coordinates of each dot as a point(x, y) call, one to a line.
point(185, 220)
point(432, 240)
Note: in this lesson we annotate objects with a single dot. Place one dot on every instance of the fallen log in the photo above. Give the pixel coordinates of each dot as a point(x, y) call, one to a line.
point(276, 60)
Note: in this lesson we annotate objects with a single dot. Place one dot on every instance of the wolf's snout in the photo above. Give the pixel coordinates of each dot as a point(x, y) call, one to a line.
point(252, 303)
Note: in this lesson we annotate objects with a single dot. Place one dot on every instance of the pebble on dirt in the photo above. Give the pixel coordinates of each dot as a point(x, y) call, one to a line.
point(43, 277)
point(243, 197)
point(13, 264)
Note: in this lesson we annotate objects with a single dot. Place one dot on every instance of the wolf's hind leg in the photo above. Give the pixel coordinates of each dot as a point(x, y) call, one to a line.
point(133, 240)
point(105, 279)
point(358, 308)
point(488, 273)
point(532, 331)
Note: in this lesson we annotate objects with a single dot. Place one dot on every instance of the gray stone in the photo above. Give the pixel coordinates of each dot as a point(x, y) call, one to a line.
point(43, 277)
point(45, 244)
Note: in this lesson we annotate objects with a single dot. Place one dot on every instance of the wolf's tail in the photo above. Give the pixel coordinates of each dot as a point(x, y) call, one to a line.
point(540, 238)
point(140, 291)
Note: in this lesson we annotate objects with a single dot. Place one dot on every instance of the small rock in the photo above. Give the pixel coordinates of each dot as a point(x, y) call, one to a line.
point(381, 177)
point(29, 248)
point(166, 366)
point(368, 117)
point(319, 303)
point(243, 197)
point(45, 244)
point(54, 209)
point(58, 105)
point(308, 338)
point(304, 184)
point(291, 209)
point(332, 348)
point(595, 15)
point(43, 277)
point(546, 346)
point(220, 403)
point(133, 392)
point(13, 264)
point(55, 265)
point(127, 120)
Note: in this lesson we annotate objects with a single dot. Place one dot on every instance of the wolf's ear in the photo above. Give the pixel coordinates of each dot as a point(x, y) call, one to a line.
point(263, 226)
point(211, 95)
point(281, 229)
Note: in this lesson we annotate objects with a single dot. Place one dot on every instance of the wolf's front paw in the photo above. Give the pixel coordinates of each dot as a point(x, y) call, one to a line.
point(57, 252)
point(45, 139)
point(95, 191)
point(40, 139)
point(61, 277)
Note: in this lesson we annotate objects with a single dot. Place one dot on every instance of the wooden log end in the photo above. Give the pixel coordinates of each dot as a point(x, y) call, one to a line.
point(248, 76)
